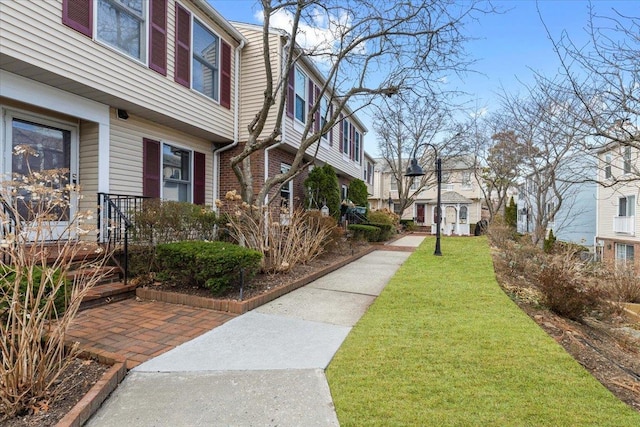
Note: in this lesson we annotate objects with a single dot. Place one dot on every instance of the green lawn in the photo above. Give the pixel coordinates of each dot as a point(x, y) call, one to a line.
point(443, 345)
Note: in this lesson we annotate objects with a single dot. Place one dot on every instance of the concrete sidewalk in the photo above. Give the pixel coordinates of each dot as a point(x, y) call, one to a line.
point(264, 368)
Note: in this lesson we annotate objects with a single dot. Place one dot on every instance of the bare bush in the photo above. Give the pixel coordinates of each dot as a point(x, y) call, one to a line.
point(37, 300)
point(285, 239)
point(567, 288)
point(621, 284)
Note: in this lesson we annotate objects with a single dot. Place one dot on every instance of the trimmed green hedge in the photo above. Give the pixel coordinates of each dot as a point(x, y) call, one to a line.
point(370, 233)
point(213, 265)
point(386, 230)
point(7, 281)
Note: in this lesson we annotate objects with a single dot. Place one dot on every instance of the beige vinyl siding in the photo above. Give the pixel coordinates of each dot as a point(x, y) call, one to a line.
point(609, 196)
point(253, 77)
point(88, 163)
point(32, 31)
point(125, 167)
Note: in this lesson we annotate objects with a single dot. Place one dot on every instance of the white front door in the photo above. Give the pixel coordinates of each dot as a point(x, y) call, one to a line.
point(42, 151)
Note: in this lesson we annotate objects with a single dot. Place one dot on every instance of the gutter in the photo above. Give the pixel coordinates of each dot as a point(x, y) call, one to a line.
point(236, 130)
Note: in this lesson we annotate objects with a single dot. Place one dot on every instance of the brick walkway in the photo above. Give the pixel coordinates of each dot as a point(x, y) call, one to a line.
point(140, 330)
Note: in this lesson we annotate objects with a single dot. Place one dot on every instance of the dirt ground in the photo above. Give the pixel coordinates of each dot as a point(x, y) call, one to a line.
point(608, 350)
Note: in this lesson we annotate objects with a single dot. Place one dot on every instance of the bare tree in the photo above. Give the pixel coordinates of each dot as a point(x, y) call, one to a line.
point(604, 76)
point(376, 48)
point(549, 134)
point(499, 155)
point(406, 126)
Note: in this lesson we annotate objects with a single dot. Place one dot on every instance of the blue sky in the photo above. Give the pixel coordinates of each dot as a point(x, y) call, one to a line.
point(507, 46)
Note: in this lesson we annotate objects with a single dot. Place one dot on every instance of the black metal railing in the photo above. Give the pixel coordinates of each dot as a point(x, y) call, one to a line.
point(115, 224)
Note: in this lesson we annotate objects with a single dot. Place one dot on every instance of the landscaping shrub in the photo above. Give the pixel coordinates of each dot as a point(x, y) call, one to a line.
point(567, 290)
point(387, 231)
point(549, 242)
point(214, 265)
point(322, 188)
point(384, 216)
point(369, 233)
point(37, 302)
point(31, 283)
point(409, 225)
point(284, 238)
point(621, 284)
point(358, 193)
point(168, 221)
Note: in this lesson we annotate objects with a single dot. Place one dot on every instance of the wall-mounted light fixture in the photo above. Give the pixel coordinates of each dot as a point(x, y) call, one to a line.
point(122, 114)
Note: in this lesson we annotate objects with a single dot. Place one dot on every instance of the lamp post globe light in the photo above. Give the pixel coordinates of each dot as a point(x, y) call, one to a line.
point(415, 170)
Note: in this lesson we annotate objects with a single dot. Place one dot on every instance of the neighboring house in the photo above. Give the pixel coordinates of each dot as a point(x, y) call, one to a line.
point(461, 197)
point(574, 219)
point(618, 227)
point(342, 147)
point(131, 97)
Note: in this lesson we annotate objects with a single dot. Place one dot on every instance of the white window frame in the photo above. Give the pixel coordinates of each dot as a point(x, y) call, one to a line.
point(607, 166)
point(324, 114)
point(357, 147)
point(180, 181)
point(626, 160)
point(346, 133)
point(216, 80)
point(144, 28)
point(299, 77)
point(627, 206)
point(622, 253)
point(286, 189)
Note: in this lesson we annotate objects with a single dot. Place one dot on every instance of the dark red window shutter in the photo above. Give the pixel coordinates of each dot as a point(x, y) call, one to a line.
point(341, 134)
point(78, 14)
point(150, 168)
point(225, 75)
point(316, 128)
point(331, 130)
point(183, 46)
point(291, 91)
point(199, 179)
point(310, 93)
point(352, 137)
point(158, 36)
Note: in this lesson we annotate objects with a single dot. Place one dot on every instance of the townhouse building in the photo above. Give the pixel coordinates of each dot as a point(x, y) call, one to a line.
point(144, 99)
point(342, 147)
point(618, 228)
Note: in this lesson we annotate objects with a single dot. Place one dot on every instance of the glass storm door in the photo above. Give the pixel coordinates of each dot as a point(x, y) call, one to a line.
point(42, 153)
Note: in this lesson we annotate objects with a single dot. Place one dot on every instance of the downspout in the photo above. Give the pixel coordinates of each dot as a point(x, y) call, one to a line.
point(236, 126)
point(284, 127)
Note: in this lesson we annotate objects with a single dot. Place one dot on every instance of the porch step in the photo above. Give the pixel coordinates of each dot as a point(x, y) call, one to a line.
point(107, 274)
point(107, 293)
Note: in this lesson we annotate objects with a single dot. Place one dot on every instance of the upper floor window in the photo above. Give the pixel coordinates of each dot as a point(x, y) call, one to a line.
point(627, 160)
point(394, 182)
point(466, 179)
point(356, 147)
point(627, 206)
point(345, 137)
point(369, 173)
point(300, 106)
point(607, 166)
point(324, 114)
point(205, 61)
point(121, 24)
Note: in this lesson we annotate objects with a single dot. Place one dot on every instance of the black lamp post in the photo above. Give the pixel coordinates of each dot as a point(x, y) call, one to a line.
point(390, 202)
point(414, 170)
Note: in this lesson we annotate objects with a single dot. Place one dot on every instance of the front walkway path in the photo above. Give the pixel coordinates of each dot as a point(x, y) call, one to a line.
point(140, 330)
point(264, 368)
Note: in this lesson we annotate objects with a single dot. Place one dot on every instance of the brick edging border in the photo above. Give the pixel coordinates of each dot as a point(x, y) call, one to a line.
point(97, 394)
point(241, 307)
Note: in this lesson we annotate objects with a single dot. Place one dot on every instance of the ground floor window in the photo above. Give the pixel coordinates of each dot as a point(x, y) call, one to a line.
point(625, 253)
point(176, 174)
